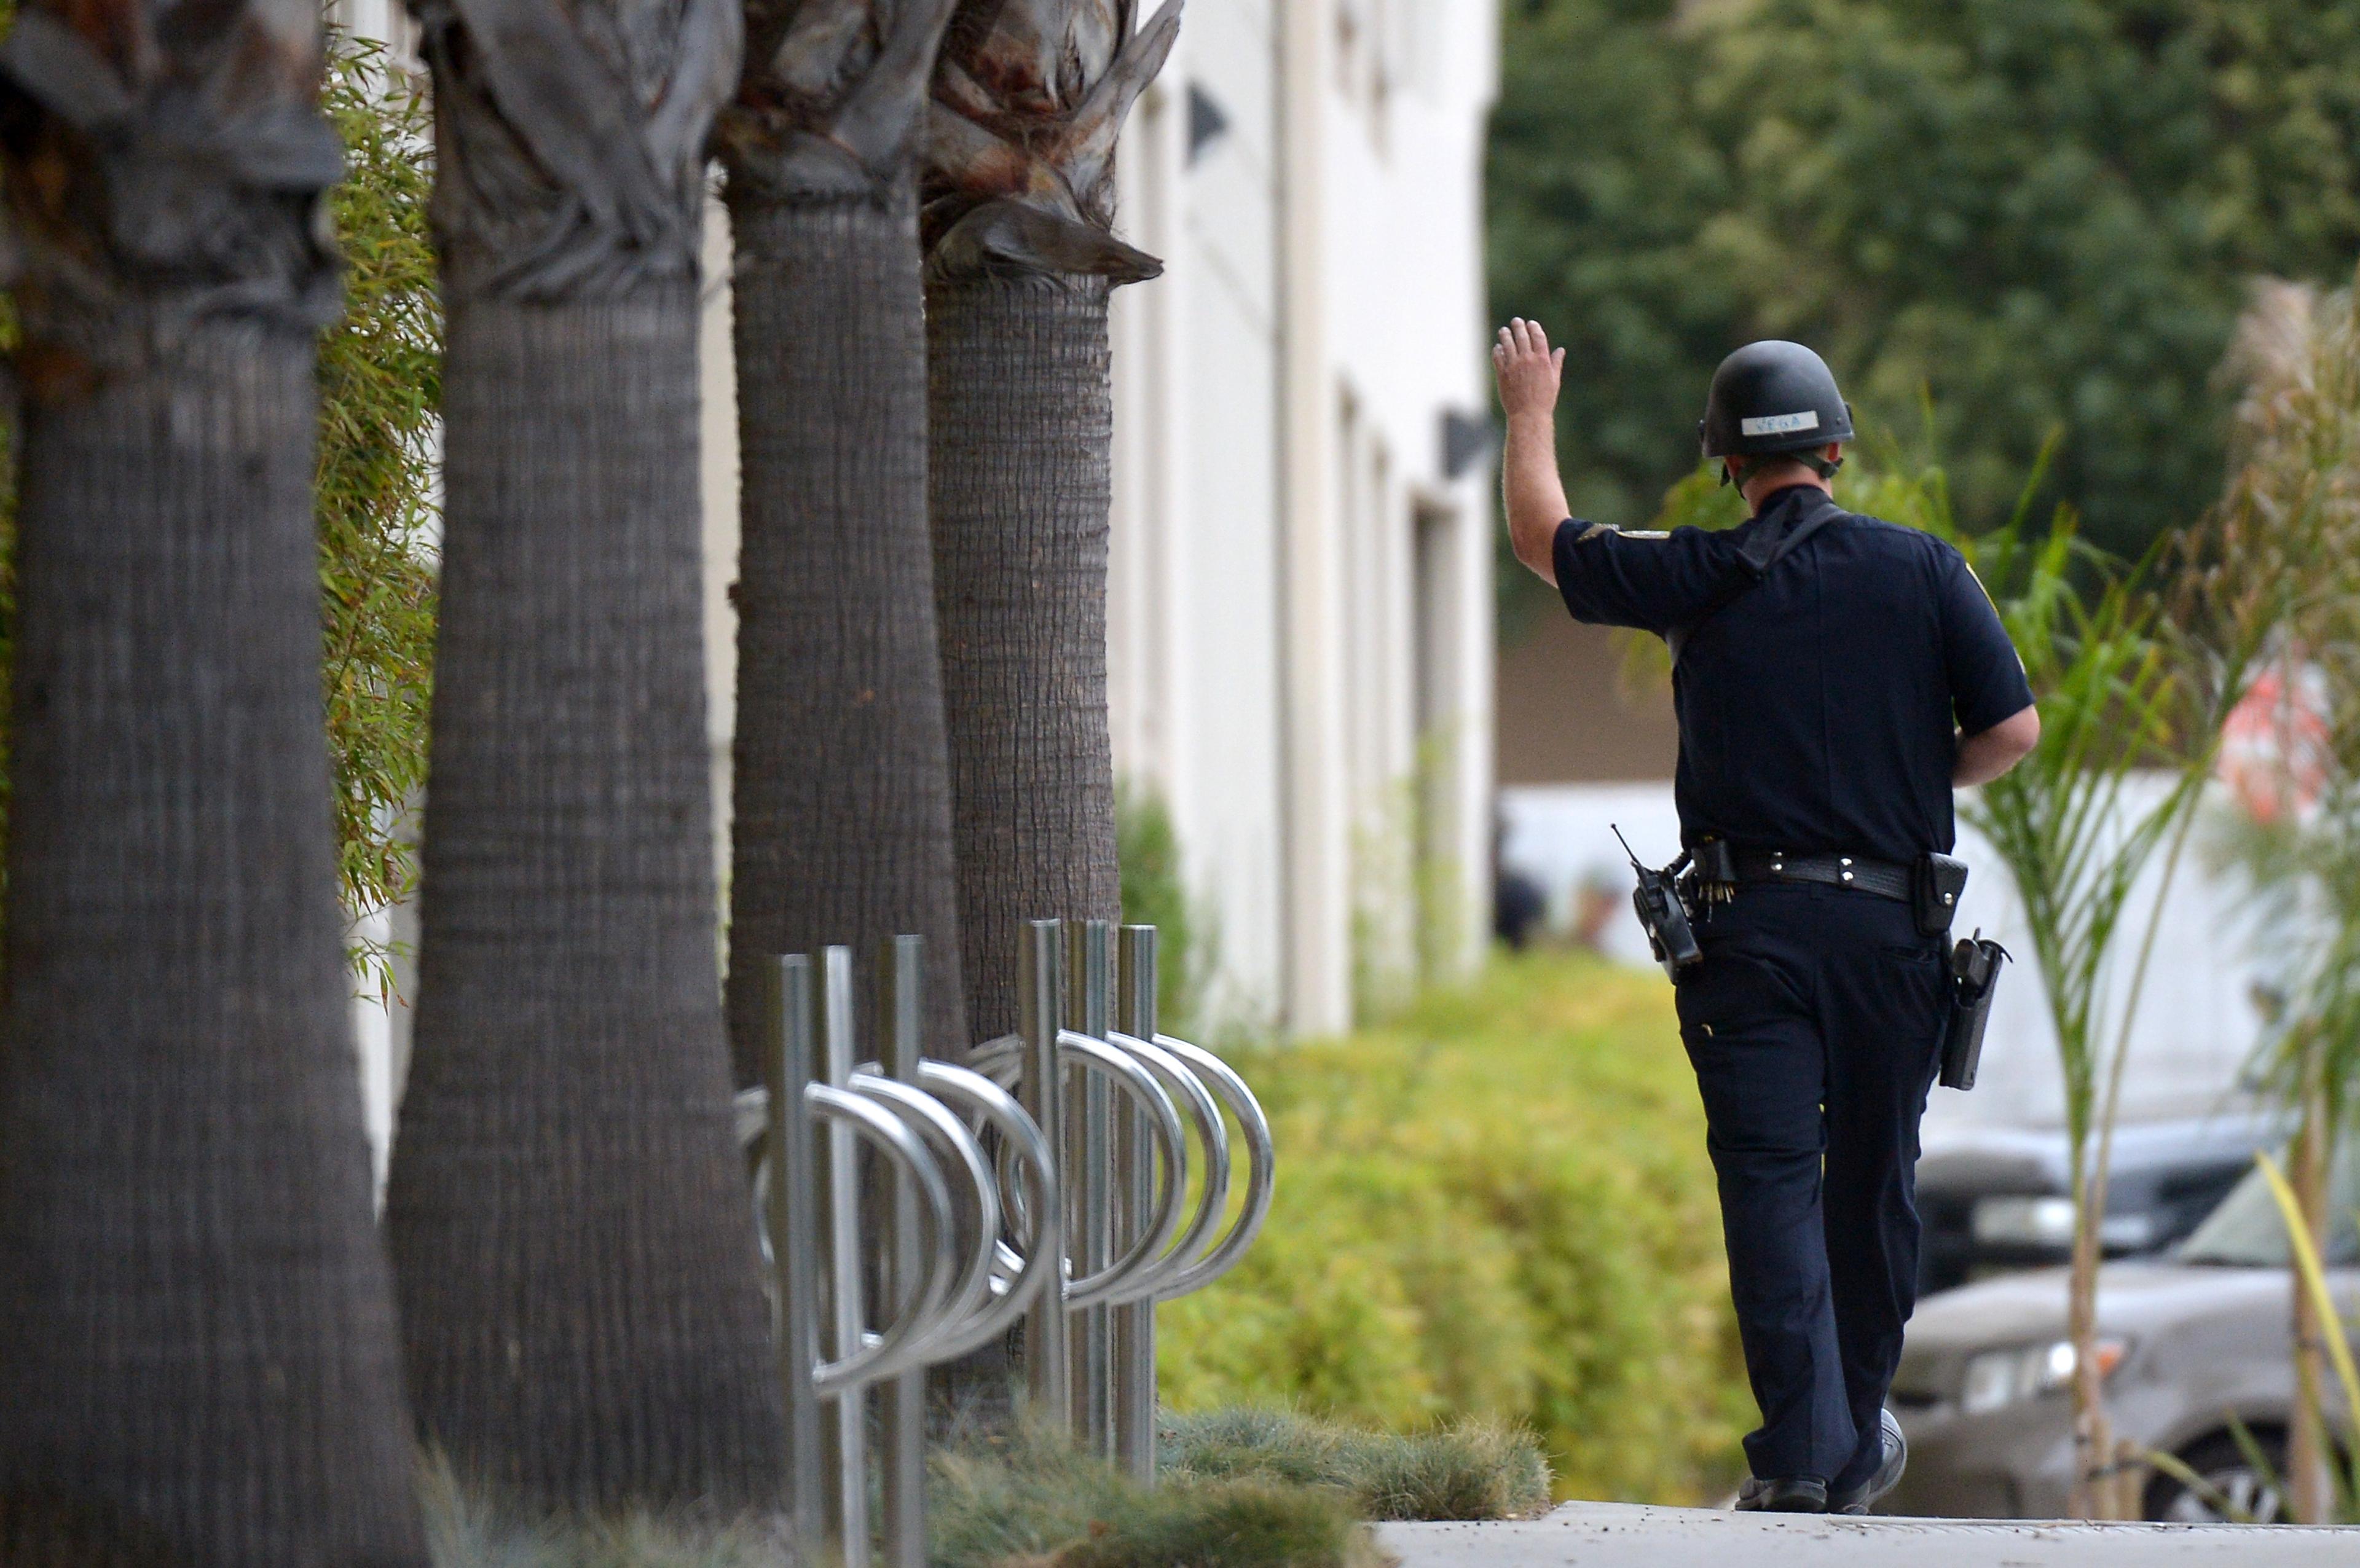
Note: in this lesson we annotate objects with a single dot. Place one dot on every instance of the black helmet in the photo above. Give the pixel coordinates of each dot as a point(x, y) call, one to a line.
point(1773, 397)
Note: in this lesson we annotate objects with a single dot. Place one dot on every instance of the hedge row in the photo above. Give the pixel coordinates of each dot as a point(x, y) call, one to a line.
point(1495, 1207)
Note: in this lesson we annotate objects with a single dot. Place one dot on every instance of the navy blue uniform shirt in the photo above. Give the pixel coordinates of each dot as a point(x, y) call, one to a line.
point(1819, 711)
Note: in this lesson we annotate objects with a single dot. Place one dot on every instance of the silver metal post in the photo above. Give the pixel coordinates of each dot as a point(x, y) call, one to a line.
point(1089, 987)
point(1048, 1370)
point(845, 1437)
point(795, 1242)
point(1133, 1340)
point(901, 1014)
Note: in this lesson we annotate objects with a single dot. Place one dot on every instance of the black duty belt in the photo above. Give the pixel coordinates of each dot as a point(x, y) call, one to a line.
point(1882, 877)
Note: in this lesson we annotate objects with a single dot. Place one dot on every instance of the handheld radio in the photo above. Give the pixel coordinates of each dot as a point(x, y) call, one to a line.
point(1662, 913)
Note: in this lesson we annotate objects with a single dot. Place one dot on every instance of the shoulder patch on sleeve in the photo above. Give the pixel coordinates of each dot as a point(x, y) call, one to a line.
point(1976, 578)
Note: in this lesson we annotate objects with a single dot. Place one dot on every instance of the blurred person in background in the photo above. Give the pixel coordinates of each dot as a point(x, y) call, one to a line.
point(1597, 899)
point(1518, 905)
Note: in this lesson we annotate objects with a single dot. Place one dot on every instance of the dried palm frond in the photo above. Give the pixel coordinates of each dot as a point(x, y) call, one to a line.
point(1029, 98)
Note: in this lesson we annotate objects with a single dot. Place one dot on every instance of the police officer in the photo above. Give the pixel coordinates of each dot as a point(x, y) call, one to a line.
point(1835, 677)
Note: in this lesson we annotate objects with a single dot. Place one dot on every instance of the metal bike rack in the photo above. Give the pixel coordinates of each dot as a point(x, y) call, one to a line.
point(1091, 1355)
point(1062, 1152)
point(944, 1283)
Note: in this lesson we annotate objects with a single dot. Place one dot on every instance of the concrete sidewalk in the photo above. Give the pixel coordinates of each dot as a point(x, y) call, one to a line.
point(1626, 1535)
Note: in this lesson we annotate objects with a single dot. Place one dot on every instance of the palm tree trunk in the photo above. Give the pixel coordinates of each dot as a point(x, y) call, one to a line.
point(1021, 258)
point(197, 1348)
point(572, 1235)
point(841, 828)
point(574, 1241)
point(1022, 427)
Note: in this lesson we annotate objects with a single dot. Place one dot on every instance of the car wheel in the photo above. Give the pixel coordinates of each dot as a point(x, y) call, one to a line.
point(2250, 1495)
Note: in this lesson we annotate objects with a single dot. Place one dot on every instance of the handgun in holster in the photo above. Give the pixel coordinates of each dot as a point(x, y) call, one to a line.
point(1975, 977)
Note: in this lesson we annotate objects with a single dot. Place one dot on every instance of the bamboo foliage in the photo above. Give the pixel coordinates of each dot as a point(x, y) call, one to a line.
point(380, 386)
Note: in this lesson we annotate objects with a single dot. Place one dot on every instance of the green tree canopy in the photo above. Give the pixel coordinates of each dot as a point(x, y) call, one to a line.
point(2044, 213)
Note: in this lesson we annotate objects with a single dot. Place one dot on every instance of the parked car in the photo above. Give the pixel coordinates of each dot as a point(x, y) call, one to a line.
point(2188, 1346)
point(1995, 1199)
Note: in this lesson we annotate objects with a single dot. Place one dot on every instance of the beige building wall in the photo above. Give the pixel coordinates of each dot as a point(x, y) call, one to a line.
point(717, 475)
point(1301, 660)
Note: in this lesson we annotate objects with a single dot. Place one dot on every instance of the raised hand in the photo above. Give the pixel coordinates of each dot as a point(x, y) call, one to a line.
point(1528, 369)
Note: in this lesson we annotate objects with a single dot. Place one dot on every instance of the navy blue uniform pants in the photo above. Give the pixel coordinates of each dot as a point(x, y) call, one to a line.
point(1814, 1023)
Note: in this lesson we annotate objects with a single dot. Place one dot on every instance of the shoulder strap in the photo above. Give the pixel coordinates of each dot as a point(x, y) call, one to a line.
point(1755, 561)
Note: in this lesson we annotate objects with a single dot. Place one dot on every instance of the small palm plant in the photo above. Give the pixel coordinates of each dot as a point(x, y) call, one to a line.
point(2077, 831)
point(2310, 1284)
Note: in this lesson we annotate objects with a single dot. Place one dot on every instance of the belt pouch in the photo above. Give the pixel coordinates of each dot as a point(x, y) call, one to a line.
point(1935, 885)
point(1975, 978)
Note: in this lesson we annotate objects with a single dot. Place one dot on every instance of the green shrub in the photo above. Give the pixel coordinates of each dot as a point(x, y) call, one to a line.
point(466, 1528)
point(1471, 1470)
point(1026, 1500)
point(1020, 1501)
point(1497, 1207)
point(1156, 893)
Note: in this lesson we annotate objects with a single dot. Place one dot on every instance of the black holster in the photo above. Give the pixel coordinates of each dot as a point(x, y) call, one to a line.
point(1975, 977)
point(1934, 888)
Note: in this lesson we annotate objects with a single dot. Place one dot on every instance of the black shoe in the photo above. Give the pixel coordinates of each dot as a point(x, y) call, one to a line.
point(1861, 1499)
point(1790, 1495)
